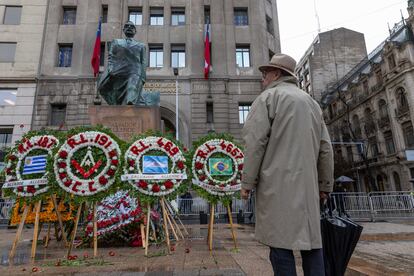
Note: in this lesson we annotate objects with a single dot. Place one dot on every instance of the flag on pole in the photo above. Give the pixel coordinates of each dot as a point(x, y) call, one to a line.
point(96, 56)
point(207, 62)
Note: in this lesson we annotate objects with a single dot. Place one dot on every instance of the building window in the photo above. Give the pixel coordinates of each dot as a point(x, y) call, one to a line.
point(12, 15)
point(104, 13)
point(350, 154)
point(156, 56)
point(207, 15)
point(243, 111)
point(241, 17)
point(7, 51)
point(177, 16)
point(389, 142)
point(408, 134)
point(402, 103)
point(374, 146)
point(365, 86)
point(382, 107)
point(243, 56)
point(135, 15)
point(65, 55)
point(210, 112)
point(8, 97)
point(69, 16)
point(378, 75)
point(412, 173)
point(177, 56)
point(102, 57)
point(269, 25)
point(157, 16)
point(391, 61)
point(58, 114)
point(6, 135)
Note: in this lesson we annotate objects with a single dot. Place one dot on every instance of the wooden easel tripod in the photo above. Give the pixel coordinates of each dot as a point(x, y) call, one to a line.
point(211, 227)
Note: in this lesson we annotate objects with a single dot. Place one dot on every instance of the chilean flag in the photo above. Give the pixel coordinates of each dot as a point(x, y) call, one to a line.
point(96, 56)
point(207, 62)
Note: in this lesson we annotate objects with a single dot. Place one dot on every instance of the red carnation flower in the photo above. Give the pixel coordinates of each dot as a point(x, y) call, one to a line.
point(20, 189)
point(31, 189)
point(114, 162)
point(12, 157)
point(180, 165)
point(62, 175)
point(132, 162)
point(168, 184)
point(103, 180)
point(63, 154)
point(68, 183)
point(142, 184)
point(112, 153)
point(90, 217)
point(240, 167)
point(199, 165)
point(202, 177)
point(110, 172)
point(185, 149)
point(155, 188)
point(9, 171)
point(62, 165)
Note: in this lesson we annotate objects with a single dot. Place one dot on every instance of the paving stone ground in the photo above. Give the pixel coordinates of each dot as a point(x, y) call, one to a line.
point(384, 249)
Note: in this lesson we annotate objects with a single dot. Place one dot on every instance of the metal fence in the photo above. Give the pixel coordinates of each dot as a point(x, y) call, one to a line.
point(359, 206)
point(196, 205)
point(373, 206)
point(5, 209)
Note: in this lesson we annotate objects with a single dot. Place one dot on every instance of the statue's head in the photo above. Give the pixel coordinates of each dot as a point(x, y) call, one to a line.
point(129, 29)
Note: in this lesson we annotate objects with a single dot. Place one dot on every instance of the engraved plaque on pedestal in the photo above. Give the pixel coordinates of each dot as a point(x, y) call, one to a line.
point(126, 121)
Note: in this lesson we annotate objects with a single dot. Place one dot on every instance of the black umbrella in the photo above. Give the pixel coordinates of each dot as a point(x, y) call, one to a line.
point(339, 237)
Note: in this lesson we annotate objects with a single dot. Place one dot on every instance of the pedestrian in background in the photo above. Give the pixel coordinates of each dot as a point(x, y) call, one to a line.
point(289, 162)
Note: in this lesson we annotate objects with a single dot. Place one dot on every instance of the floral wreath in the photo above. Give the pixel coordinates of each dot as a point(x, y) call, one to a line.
point(87, 163)
point(157, 184)
point(115, 212)
point(217, 166)
point(47, 213)
point(25, 171)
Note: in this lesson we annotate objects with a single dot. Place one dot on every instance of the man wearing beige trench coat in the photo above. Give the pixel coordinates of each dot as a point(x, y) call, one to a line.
point(289, 162)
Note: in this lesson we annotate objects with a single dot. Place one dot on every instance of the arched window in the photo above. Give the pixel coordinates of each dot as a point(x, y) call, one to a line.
point(356, 126)
point(397, 182)
point(380, 183)
point(369, 122)
point(382, 107)
point(402, 103)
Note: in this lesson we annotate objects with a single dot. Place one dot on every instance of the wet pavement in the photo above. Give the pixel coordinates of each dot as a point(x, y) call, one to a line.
point(378, 253)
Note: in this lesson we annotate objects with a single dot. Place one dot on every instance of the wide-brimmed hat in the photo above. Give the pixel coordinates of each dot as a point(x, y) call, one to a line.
point(280, 61)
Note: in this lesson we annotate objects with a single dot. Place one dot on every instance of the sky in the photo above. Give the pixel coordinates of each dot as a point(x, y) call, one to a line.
point(298, 24)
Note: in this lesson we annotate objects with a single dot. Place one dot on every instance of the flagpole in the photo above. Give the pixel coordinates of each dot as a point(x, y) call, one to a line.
point(97, 100)
point(176, 104)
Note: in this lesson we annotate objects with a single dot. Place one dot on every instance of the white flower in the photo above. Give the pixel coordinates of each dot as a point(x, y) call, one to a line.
point(163, 187)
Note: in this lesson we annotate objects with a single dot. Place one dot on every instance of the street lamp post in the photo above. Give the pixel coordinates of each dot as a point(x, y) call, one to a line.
point(176, 103)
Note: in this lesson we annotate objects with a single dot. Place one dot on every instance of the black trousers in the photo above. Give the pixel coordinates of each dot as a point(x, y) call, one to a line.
point(283, 262)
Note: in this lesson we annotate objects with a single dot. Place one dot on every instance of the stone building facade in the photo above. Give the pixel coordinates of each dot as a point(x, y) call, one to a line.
point(21, 33)
point(330, 56)
point(370, 114)
point(243, 35)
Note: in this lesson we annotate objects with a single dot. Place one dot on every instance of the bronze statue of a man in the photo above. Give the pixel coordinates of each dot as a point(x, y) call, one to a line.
point(122, 82)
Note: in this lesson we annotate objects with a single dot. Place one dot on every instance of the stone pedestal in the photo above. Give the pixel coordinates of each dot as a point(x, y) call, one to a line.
point(126, 121)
